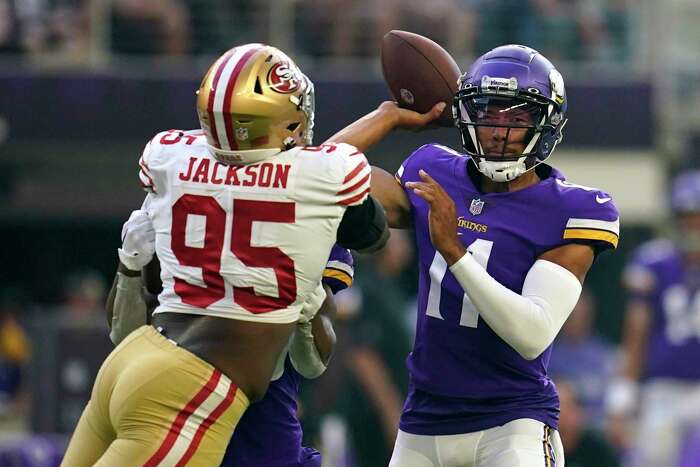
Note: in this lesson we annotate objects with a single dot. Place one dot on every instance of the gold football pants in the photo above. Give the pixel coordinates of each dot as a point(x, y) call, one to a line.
point(156, 404)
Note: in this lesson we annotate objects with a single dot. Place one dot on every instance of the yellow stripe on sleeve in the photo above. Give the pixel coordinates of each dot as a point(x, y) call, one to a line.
point(589, 234)
point(342, 276)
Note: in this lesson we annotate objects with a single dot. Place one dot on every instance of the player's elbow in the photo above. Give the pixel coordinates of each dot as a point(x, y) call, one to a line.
point(536, 340)
point(531, 351)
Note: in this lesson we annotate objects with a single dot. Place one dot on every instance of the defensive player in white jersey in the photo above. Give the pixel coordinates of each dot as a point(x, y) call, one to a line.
point(245, 216)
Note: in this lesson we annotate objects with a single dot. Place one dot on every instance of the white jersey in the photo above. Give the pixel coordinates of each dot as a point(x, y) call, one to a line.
point(246, 242)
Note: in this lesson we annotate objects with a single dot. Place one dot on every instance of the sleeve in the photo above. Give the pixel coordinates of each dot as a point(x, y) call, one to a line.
point(408, 170)
point(355, 182)
point(145, 175)
point(339, 271)
point(594, 220)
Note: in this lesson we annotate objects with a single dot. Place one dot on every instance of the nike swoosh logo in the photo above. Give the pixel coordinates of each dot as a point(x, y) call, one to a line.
point(600, 200)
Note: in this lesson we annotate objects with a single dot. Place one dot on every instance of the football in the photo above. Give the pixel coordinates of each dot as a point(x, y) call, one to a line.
point(419, 73)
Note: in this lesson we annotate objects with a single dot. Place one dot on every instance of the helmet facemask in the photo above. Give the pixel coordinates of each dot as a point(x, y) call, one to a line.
point(506, 133)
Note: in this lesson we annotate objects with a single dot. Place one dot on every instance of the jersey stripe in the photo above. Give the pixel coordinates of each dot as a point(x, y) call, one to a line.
point(342, 276)
point(354, 187)
point(355, 171)
point(592, 234)
point(145, 175)
point(354, 199)
point(597, 224)
point(349, 270)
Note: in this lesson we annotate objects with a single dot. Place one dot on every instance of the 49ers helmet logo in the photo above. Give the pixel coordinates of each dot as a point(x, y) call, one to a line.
point(283, 78)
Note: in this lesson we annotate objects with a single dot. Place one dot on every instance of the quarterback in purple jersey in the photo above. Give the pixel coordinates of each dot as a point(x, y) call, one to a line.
point(661, 341)
point(504, 244)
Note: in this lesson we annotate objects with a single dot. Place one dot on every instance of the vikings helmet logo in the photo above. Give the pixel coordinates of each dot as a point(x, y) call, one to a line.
point(283, 78)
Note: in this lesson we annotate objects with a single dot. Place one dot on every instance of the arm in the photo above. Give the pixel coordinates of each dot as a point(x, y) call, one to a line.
point(126, 307)
point(529, 321)
point(322, 327)
point(373, 127)
point(368, 131)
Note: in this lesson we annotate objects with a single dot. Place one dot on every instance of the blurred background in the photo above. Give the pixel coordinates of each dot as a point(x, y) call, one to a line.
point(85, 83)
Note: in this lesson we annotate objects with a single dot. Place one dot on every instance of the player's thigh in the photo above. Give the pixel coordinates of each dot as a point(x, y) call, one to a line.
point(414, 451)
point(520, 443)
point(88, 442)
point(169, 407)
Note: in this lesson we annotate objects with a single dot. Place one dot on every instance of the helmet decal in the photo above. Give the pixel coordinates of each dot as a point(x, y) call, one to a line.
point(283, 78)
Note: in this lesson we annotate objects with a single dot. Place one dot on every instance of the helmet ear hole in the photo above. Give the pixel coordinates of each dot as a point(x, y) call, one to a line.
point(258, 88)
point(293, 126)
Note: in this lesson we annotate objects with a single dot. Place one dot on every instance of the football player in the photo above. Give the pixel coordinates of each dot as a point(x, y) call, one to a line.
point(661, 338)
point(504, 244)
point(245, 215)
point(269, 433)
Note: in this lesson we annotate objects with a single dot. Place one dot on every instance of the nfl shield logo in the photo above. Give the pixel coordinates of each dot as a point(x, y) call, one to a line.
point(476, 207)
point(242, 133)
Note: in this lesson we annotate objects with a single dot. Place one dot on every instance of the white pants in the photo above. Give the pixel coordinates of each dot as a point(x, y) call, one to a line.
point(520, 443)
point(668, 410)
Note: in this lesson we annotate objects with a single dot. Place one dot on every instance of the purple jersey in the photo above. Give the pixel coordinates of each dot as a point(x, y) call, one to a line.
point(269, 433)
point(464, 378)
point(657, 275)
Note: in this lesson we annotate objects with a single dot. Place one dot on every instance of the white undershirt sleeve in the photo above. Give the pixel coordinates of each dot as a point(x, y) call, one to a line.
point(528, 322)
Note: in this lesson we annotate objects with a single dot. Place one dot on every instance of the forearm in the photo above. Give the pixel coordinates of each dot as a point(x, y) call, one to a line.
point(368, 130)
point(528, 322)
point(126, 306)
point(109, 306)
point(322, 327)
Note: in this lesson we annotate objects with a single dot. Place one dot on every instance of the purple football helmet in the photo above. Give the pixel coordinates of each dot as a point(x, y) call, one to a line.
point(685, 192)
point(512, 87)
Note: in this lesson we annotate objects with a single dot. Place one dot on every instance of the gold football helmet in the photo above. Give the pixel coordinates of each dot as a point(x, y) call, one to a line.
point(253, 103)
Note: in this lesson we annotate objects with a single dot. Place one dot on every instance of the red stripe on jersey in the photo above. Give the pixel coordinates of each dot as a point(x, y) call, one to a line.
point(181, 418)
point(212, 94)
point(355, 153)
point(145, 170)
point(213, 417)
point(355, 186)
point(229, 94)
point(355, 171)
point(352, 199)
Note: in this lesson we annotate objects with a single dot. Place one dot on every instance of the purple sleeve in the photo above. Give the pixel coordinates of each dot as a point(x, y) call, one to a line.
point(339, 271)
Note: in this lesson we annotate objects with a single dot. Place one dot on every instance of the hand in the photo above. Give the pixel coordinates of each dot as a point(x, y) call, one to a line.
point(442, 217)
point(409, 119)
point(138, 241)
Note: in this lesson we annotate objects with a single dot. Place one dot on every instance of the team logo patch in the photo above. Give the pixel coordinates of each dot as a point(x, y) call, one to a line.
point(242, 133)
point(476, 207)
point(283, 79)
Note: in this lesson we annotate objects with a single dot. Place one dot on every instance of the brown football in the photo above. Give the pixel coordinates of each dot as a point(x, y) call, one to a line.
point(419, 73)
